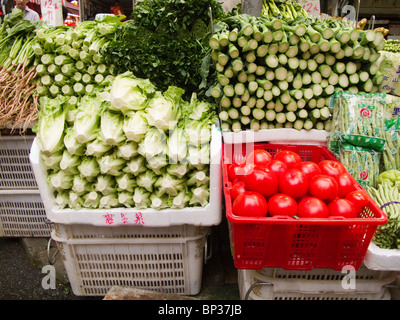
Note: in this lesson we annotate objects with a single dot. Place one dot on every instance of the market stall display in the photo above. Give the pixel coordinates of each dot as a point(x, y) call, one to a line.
point(128, 147)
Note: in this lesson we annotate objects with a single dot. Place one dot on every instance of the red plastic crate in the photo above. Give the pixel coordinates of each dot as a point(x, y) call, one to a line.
point(296, 244)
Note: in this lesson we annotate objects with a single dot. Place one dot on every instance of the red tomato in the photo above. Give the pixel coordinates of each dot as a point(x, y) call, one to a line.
point(262, 181)
point(282, 204)
point(237, 189)
point(243, 170)
point(277, 166)
point(232, 171)
point(259, 157)
point(293, 182)
point(342, 208)
point(360, 198)
point(289, 157)
point(250, 204)
point(331, 167)
point(346, 184)
point(323, 187)
point(312, 207)
point(309, 168)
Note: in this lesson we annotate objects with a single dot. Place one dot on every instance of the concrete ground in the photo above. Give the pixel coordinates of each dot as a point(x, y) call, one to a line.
point(22, 277)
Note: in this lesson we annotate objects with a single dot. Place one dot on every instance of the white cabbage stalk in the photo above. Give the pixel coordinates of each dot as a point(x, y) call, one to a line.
point(125, 198)
point(71, 114)
point(72, 145)
point(111, 124)
point(52, 161)
point(177, 145)
point(97, 147)
point(89, 168)
point(87, 119)
point(198, 178)
point(168, 184)
point(105, 184)
point(159, 201)
point(75, 201)
point(146, 180)
point(200, 110)
point(126, 182)
point(141, 197)
point(61, 181)
point(178, 169)
point(128, 150)
point(135, 126)
point(153, 144)
point(162, 113)
point(200, 195)
point(91, 200)
point(129, 93)
point(135, 166)
point(111, 164)
point(181, 200)
point(198, 157)
point(157, 163)
point(69, 163)
point(50, 131)
point(62, 199)
point(109, 201)
point(197, 132)
point(80, 185)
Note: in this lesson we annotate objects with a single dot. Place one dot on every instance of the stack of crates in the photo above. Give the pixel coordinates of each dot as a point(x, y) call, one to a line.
point(22, 213)
point(160, 250)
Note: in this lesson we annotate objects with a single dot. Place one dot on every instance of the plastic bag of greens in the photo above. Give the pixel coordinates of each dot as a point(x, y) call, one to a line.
point(361, 163)
point(391, 154)
point(389, 65)
point(358, 119)
point(393, 104)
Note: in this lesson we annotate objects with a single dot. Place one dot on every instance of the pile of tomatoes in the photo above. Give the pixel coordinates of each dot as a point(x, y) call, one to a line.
point(285, 185)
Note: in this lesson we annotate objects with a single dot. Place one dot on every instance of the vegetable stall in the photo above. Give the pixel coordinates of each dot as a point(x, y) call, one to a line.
point(126, 113)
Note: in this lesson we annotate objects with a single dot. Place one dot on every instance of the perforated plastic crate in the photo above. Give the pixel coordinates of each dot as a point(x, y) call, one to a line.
point(208, 215)
point(296, 244)
point(15, 169)
point(166, 259)
point(22, 214)
point(318, 284)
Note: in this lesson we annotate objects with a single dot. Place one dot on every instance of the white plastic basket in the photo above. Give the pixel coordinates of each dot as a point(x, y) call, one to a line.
point(206, 216)
point(382, 259)
point(278, 136)
point(166, 259)
point(22, 214)
point(15, 168)
point(317, 284)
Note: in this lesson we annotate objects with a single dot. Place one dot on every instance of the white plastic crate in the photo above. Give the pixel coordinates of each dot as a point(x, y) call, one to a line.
point(278, 136)
point(317, 284)
point(15, 169)
point(382, 259)
point(209, 215)
point(22, 214)
point(168, 259)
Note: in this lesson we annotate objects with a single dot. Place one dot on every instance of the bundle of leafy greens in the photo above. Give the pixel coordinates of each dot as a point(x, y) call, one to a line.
point(127, 145)
point(167, 42)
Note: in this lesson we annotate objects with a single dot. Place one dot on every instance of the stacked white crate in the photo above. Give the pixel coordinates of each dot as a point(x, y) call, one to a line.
point(22, 213)
point(161, 250)
point(316, 284)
